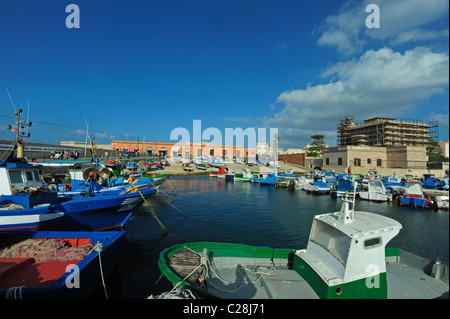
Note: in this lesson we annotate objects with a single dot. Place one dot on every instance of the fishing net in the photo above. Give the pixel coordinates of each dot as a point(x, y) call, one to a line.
point(45, 250)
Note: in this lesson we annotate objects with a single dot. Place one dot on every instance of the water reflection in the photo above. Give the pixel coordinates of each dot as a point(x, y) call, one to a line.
point(255, 215)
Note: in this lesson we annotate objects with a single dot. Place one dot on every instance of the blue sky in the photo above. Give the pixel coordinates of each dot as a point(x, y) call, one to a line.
point(147, 67)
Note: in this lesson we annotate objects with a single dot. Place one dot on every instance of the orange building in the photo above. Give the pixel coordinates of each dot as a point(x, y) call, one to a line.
point(184, 150)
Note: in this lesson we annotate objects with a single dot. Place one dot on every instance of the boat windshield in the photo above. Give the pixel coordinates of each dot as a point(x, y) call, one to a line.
point(331, 239)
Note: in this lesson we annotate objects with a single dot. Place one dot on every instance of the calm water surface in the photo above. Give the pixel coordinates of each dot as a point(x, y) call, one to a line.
point(250, 214)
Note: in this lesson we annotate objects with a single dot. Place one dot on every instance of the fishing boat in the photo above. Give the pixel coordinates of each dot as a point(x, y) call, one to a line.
point(213, 174)
point(302, 181)
point(344, 186)
point(200, 166)
point(270, 180)
point(289, 173)
point(442, 202)
point(319, 186)
point(216, 163)
point(131, 166)
point(187, 167)
point(372, 174)
point(25, 204)
point(375, 192)
point(244, 176)
point(394, 181)
point(104, 182)
point(414, 196)
point(429, 181)
point(444, 184)
point(345, 258)
point(229, 176)
point(56, 265)
point(222, 172)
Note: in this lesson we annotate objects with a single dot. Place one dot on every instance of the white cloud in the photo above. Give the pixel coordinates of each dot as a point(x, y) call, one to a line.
point(442, 119)
point(417, 35)
point(400, 21)
point(379, 83)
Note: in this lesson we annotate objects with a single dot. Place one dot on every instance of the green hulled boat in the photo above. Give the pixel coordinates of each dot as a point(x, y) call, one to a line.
point(345, 258)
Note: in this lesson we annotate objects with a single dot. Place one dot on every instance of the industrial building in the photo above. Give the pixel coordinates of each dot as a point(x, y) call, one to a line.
point(381, 131)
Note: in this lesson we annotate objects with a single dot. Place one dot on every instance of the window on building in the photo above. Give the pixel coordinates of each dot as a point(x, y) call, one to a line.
point(339, 160)
point(327, 160)
point(379, 162)
point(369, 161)
point(357, 162)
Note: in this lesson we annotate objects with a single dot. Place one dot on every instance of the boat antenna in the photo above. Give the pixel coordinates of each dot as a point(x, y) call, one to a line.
point(28, 116)
point(11, 100)
point(347, 215)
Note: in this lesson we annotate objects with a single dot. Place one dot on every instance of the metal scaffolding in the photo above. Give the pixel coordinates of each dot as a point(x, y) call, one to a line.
point(380, 131)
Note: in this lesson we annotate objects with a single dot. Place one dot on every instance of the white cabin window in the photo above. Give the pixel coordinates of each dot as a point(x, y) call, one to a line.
point(29, 176)
point(37, 178)
point(15, 177)
point(372, 243)
point(331, 239)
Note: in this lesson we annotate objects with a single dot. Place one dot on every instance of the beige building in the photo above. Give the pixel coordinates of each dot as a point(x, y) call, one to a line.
point(444, 148)
point(340, 158)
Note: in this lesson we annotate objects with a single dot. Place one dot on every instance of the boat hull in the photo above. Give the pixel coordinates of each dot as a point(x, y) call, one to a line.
point(236, 271)
point(82, 213)
point(374, 197)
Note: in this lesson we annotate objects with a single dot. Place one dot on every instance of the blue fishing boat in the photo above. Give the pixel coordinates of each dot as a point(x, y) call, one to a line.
point(131, 166)
point(394, 181)
point(103, 183)
point(344, 186)
point(414, 196)
point(269, 180)
point(25, 204)
point(429, 181)
point(289, 173)
point(56, 265)
point(319, 186)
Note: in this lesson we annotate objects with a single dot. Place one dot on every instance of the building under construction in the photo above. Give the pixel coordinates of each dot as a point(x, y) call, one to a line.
point(380, 131)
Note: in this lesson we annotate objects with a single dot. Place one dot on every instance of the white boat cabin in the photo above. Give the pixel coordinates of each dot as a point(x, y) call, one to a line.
point(347, 246)
point(14, 176)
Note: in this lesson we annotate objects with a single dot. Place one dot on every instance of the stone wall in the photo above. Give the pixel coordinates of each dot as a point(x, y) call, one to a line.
point(298, 159)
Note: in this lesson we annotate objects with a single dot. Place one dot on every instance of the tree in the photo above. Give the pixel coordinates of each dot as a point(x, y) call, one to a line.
point(317, 145)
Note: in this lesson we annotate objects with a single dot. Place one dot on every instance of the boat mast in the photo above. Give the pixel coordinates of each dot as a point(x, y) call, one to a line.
point(347, 215)
point(20, 135)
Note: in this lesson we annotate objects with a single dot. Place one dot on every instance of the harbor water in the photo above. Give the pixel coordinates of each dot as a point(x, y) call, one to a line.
point(250, 214)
